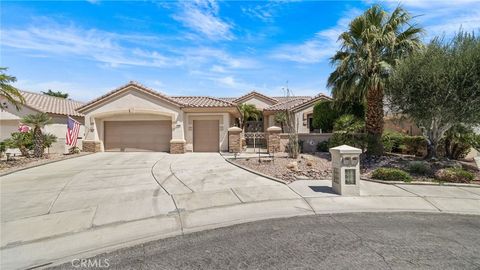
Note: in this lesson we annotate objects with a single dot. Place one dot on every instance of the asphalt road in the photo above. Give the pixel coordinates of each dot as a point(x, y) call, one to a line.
point(340, 241)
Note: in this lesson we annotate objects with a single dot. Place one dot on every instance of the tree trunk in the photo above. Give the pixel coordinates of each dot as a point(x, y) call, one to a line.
point(374, 121)
point(24, 151)
point(431, 150)
point(38, 142)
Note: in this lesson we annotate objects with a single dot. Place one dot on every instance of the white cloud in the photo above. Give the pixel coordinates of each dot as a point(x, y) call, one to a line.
point(228, 81)
point(202, 16)
point(319, 48)
point(218, 69)
point(76, 91)
point(113, 49)
point(264, 12)
point(440, 17)
point(105, 47)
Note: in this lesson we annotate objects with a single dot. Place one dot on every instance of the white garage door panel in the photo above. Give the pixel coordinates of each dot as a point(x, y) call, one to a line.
point(138, 135)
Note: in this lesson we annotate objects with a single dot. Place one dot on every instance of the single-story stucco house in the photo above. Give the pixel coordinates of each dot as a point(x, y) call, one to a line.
point(136, 118)
point(57, 108)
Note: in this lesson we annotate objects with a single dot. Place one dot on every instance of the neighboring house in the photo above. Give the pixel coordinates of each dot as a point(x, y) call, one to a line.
point(136, 118)
point(57, 108)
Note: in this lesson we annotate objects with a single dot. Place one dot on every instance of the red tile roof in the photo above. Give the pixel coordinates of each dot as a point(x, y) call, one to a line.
point(311, 101)
point(202, 101)
point(50, 104)
point(287, 104)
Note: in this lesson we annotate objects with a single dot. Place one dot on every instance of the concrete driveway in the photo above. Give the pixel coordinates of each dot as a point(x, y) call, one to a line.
point(103, 201)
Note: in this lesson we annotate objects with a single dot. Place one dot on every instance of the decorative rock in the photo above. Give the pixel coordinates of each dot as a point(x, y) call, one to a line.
point(292, 166)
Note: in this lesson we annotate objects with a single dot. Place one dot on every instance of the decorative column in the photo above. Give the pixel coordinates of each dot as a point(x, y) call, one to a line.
point(234, 140)
point(177, 146)
point(91, 146)
point(273, 139)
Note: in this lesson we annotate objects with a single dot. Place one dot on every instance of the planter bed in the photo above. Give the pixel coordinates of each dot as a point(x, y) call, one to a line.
point(19, 162)
point(308, 166)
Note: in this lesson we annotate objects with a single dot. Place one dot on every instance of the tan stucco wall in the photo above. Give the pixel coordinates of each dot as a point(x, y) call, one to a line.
point(224, 122)
point(258, 102)
point(133, 105)
point(300, 124)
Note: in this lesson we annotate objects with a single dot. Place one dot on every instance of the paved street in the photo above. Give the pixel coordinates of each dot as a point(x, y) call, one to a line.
point(339, 241)
point(106, 201)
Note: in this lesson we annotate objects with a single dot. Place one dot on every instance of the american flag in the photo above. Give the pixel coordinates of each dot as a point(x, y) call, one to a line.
point(73, 127)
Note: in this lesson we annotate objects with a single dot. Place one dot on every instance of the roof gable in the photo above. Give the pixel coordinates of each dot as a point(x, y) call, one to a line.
point(311, 101)
point(127, 87)
point(254, 94)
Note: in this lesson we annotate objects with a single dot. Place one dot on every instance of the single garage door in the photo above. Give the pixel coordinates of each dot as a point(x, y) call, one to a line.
point(138, 135)
point(205, 136)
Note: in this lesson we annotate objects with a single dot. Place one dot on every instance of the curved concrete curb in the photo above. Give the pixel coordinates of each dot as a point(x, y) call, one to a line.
point(145, 239)
point(41, 164)
point(421, 183)
point(255, 172)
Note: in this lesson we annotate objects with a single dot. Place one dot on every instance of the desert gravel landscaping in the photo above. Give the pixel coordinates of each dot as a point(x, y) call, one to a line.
point(306, 166)
point(317, 166)
point(19, 162)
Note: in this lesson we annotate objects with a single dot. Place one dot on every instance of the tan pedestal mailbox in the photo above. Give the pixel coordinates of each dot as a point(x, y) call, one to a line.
point(346, 170)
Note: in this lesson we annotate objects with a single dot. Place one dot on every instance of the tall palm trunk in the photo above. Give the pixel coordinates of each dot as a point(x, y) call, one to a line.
point(374, 121)
point(38, 142)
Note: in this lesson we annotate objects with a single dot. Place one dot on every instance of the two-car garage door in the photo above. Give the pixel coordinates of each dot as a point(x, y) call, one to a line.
point(156, 135)
point(138, 135)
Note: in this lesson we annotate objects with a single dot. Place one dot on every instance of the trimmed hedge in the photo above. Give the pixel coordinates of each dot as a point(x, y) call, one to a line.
point(454, 175)
point(395, 142)
point(391, 174)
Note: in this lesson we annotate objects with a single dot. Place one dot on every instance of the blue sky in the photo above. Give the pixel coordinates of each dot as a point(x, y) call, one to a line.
point(225, 48)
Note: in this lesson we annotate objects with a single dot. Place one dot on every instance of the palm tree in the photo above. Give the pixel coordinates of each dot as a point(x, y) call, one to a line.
point(37, 122)
point(248, 111)
point(281, 118)
point(22, 141)
point(48, 140)
point(10, 93)
point(371, 47)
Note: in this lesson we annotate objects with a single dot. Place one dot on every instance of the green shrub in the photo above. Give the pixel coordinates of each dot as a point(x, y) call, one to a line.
point(21, 140)
point(419, 167)
point(300, 145)
point(322, 146)
point(391, 174)
point(324, 115)
point(349, 123)
point(415, 145)
point(454, 175)
point(393, 142)
point(3, 147)
point(358, 140)
point(457, 142)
